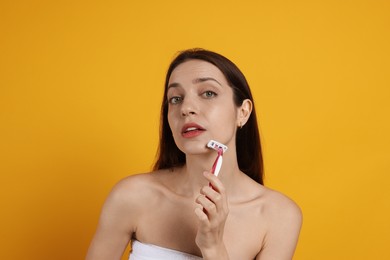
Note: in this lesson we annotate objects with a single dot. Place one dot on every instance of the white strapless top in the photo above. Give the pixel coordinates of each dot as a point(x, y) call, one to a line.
point(141, 251)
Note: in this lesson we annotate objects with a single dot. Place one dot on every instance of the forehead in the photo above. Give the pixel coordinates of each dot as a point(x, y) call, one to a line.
point(189, 70)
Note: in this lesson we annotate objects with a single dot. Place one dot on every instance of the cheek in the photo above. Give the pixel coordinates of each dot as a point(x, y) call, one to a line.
point(172, 120)
point(225, 118)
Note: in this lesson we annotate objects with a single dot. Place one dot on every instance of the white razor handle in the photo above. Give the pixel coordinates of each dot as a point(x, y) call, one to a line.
point(218, 166)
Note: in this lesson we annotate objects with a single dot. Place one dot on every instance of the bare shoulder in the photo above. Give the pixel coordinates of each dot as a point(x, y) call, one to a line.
point(274, 205)
point(130, 199)
point(134, 190)
point(284, 219)
point(122, 212)
point(279, 206)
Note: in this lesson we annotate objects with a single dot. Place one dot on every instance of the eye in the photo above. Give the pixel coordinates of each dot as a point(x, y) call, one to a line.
point(209, 94)
point(175, 100)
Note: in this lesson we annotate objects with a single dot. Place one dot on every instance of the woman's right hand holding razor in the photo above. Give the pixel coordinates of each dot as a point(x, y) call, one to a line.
point(212, 214)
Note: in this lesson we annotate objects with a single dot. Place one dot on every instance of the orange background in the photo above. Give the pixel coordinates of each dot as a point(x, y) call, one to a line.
point(80, 90)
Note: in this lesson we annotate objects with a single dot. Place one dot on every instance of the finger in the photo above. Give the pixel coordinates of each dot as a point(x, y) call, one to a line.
point(214, 181)
point(206, 220)
point(217, 192)
point(202, 216)
point(214, 196)
point(207, 204)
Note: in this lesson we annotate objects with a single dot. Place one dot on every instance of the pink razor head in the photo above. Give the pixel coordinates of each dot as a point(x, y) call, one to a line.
point(220, 148)
point(217, 146)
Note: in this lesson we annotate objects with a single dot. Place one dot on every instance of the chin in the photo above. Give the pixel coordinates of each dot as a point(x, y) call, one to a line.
point(193, 149)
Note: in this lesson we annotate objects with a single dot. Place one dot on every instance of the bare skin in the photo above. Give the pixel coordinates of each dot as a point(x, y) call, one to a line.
point(176, 208)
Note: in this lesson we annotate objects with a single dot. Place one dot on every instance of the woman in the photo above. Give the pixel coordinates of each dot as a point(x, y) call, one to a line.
point(181, 210)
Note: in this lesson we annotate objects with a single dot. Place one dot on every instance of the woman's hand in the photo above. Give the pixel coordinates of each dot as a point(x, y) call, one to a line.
point(212, 215)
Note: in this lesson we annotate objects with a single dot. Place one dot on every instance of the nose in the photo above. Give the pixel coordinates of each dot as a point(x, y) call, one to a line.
point(189, 107)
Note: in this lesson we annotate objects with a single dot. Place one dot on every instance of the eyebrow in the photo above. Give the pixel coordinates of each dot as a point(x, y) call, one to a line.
point(200, 80)
point(195, 81)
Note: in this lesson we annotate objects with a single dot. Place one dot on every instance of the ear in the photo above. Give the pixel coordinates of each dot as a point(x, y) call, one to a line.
point(244, 111)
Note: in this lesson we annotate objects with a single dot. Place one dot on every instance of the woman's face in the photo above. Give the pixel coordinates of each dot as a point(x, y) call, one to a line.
point(201, 107)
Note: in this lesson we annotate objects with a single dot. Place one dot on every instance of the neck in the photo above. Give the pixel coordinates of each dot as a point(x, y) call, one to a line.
point(197, 164)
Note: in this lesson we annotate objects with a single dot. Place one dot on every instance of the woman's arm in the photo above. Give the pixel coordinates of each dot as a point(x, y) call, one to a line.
point(116, 225)
point(284, 224)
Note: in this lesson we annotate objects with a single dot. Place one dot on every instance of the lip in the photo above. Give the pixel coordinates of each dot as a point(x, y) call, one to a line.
point(199, 130)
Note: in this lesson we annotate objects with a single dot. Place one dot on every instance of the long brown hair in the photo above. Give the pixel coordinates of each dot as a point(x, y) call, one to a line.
point(248, 146)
